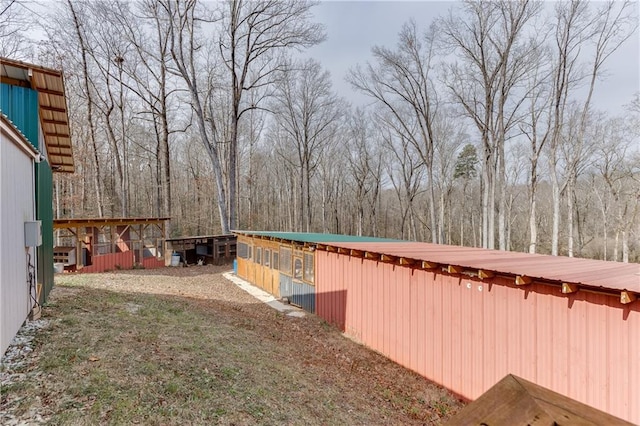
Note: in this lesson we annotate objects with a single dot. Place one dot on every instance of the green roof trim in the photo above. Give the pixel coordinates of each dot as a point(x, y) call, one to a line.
point(309, 237)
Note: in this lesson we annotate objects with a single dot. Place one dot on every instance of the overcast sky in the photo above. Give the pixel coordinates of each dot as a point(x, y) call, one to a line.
point(353, 27)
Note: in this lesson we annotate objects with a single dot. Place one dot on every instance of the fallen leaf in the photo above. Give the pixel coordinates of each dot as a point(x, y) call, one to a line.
point(94, 358)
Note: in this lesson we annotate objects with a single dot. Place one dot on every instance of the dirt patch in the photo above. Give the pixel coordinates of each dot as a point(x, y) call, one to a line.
point(185, 345)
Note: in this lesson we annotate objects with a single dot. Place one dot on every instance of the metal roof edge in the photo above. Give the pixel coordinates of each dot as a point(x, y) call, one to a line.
point(315, 238)
point(20, 139)
point(568, 272)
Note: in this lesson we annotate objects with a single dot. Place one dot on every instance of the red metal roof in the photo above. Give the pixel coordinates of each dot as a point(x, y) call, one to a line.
point(587, 272)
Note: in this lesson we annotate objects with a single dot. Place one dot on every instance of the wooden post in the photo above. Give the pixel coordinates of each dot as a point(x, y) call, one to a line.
point(453, 269)
point(429, 265)
point(482, 274)
point(627, 297)
point(79, 262)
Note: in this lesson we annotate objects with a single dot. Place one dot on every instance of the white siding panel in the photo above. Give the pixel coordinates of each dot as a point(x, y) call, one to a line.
point(17, 193)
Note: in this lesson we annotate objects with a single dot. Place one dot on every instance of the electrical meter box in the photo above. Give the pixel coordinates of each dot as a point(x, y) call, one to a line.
point(33, 233)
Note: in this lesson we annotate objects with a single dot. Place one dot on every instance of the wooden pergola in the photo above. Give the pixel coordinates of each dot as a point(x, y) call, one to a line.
point(101, 236)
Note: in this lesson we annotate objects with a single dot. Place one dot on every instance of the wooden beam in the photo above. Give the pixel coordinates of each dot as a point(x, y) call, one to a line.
point(429, 265)
point(59, 122)
point(453, 269)
point(357, 253)
point(627, 297)
point(50, 92)
point(388, 258)
point(55, 145)
point(50, 108)
point(568, 288)
point(321, 247)
point(370, 255)
point(42, 70)
point(332, 249)
point(406, 261)
point(523, 280)
point(482, 274)
point(343, 250)
point(14, 82)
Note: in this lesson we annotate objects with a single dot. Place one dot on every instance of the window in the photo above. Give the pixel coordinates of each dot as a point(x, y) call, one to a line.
point(297, 268)
point(285, 260)
point(267, 257)
point(308, 267)
point(258, 259)
point(276, 258)
point(243, 250)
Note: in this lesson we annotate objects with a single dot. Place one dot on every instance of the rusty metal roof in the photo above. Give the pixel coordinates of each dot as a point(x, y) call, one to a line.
point(52, 105)
point(587, 272)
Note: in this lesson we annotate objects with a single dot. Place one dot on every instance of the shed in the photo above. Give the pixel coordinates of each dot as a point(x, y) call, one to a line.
point(283, 263)
point(210, 249)
point(104, 244)
point(466, 317)
point(35, 142)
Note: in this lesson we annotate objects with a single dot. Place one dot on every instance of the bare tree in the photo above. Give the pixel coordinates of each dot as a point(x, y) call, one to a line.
point(405, 172)
point(254, 39)
point(494, 58)
point(365, 167)
point(401, 80)
point(81, 39)
point(14, 18)
point(617, 167)
point(184, 36)
point(533, 127)
point(307, 110)
point(577, 29)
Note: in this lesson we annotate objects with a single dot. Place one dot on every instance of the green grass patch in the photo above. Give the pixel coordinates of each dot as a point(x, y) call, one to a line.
point(124, 358)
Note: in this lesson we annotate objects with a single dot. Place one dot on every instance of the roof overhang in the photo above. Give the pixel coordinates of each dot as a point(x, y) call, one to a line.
point(107, 221)
point(52, 105)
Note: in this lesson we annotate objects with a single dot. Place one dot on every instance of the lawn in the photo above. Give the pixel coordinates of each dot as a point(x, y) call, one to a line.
point(186, 346)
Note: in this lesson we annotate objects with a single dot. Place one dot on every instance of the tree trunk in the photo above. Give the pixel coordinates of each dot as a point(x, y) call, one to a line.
point(92, 130)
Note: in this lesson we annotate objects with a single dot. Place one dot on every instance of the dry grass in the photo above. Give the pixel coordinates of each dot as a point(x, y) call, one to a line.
point(150, 347)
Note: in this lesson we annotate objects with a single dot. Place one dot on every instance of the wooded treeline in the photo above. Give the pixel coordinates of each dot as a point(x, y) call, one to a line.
point(482, 128)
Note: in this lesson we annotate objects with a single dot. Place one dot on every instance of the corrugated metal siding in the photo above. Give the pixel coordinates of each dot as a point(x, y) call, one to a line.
point(44, 213)
point(303, 295)
point(298, 293)
point(17, 187)
point(20, 104)
point(110, 262)
point(467, 334)
point(152, 263)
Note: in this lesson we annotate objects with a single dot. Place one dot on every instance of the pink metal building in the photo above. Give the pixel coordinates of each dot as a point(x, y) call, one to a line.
point(466, 317)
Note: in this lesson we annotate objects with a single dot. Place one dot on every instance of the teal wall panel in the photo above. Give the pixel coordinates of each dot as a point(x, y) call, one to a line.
point(20, 104)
